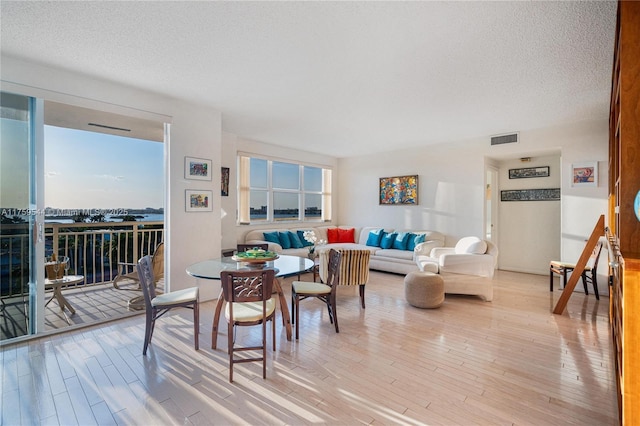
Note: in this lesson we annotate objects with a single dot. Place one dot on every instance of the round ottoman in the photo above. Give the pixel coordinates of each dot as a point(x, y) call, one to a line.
point(424, 289)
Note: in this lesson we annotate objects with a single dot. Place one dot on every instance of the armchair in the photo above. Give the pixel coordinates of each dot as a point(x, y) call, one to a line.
point(467, 268)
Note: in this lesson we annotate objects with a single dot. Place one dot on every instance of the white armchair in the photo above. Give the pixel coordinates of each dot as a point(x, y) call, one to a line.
point(467, 268)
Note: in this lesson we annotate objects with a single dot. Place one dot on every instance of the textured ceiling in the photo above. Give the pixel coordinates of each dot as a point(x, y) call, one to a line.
point(342, 78)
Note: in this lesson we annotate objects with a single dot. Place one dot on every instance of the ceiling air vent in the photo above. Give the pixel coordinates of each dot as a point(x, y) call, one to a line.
point(502, 139)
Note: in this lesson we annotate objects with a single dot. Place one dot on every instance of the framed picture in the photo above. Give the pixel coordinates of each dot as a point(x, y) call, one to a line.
point(399, 190)
point(547, 194)
point(584, 174)
point(197, 168)
point(198, 200)
point(529, 172)
point(224, 182)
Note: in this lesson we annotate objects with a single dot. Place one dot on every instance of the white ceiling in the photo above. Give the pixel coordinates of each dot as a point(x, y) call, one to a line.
point(342, 78)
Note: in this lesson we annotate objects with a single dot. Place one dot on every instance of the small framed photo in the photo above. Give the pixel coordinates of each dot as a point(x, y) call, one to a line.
point(198, 200)
point(197, 168)
point(584, 174)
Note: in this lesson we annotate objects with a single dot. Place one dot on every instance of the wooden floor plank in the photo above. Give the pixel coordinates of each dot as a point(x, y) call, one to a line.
point(509, 361)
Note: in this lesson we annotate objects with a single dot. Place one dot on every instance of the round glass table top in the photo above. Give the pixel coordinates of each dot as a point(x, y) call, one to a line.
point(284, 265)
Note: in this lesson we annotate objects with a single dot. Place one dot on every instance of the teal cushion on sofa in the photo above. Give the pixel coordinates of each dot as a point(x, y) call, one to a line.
point(374, 238)
point(304, 242)
point(285, 242)
point(400, 243)
point(272, 237)
point(414, 240)
point(295, 240)
point(387, 240)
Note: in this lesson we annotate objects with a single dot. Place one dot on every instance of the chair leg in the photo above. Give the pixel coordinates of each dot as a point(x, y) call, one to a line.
point(264, 349)
point(550, 279)
point(148, 331)
point(273, 328)
point(297, 320)
point(196, 325)
point(594, 281)
point(362, 295)
point(333, 311)
point(584, 283)
point(230, 349)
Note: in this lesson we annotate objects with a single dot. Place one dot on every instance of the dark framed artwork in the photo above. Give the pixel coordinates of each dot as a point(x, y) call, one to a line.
point(529, 172)
point(399, 190)
point(224, 182)
point(547, 194)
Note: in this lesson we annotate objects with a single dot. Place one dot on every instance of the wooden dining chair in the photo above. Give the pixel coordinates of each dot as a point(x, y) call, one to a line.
point(301, 290)
point(354, 269)
point(589, 275)
point(158, 305)
point(250, 301)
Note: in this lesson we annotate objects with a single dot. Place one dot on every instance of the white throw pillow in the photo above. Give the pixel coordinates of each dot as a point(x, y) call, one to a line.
point(471, 245)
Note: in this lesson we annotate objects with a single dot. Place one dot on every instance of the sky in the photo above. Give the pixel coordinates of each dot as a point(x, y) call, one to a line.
point(88, 170)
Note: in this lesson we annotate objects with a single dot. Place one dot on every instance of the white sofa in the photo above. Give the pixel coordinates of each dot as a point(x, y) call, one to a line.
point(388, 260)
point(467, 268)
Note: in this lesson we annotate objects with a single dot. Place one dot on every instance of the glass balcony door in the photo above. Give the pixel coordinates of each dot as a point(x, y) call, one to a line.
point(20, 227)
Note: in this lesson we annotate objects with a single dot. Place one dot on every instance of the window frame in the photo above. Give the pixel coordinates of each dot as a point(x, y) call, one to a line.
point(245, 189)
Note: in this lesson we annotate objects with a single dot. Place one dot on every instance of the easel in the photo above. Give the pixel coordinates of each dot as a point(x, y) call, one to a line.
point(597, 232)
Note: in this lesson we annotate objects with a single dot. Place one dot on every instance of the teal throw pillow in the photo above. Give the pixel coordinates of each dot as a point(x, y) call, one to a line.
point(387, 240)
point(400, 243)
point(413, 242)
point(374, 238)
point(295, 240)
point(304, 242)
point(272, 237)
point(285, 242)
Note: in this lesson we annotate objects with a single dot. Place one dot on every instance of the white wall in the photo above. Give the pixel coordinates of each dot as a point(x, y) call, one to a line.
point(527, 226)
point(452, 178)
point(195, 131)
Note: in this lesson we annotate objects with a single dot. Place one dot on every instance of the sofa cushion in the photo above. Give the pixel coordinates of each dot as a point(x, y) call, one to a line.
point(285, 241)
point(387, 240)
point(394, 254)
point(374, 238)
point(295, 240)
point(414, 240)
point(346, 235)
point(471, 245)
point(272, 237)
point(400, 242)
point(332, 235)
point(304, 242)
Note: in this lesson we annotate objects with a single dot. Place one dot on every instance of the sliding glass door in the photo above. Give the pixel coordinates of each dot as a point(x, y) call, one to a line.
point(20, 228)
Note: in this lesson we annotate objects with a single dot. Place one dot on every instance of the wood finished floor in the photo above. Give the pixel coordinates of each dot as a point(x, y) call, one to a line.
point(469, 362)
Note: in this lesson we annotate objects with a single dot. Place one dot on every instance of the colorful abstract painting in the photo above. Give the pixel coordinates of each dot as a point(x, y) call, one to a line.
point(399, 190)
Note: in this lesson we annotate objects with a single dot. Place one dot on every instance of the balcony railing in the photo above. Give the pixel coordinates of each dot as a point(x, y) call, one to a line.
point(94, 250)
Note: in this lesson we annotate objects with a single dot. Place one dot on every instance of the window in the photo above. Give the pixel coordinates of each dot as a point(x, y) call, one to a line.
point(274, 191)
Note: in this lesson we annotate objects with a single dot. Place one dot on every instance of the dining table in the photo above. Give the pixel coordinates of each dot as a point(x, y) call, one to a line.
point(284, 266)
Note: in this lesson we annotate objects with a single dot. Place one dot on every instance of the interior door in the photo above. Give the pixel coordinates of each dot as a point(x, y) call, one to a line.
point(21, 230)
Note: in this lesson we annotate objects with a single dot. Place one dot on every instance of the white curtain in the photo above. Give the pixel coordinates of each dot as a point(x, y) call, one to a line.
point(243, 191)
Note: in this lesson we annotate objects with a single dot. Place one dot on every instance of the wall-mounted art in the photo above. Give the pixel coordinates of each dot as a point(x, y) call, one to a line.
point(399, 190)
point(547, 194)
point(529, 172)
point(198, 200)
point(224, 182)
point(197, 168)
point(584, 174)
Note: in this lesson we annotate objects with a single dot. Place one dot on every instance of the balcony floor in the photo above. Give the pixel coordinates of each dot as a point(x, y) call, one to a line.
point(93, 304)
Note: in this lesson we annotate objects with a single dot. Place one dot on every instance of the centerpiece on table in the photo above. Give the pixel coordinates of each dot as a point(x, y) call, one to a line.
point(311, 237)
point(255, 256)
